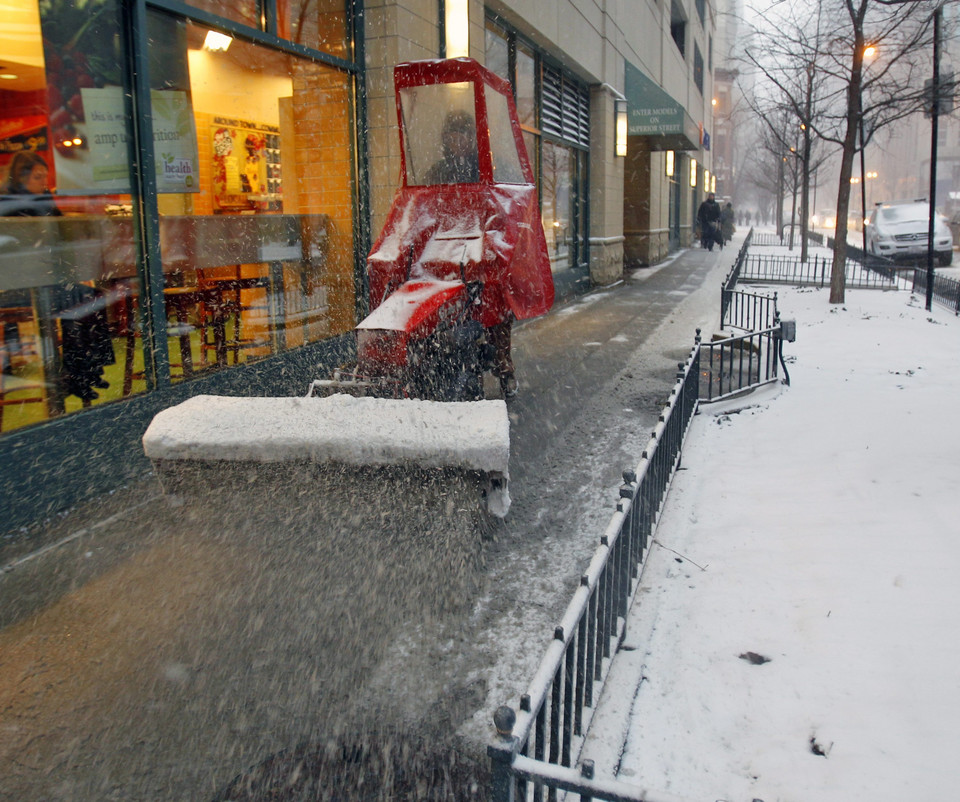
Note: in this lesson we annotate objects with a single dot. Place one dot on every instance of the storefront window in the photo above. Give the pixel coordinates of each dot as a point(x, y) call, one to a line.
point(526, 86)
point(497, 49)
point(68, 270)
point(319, 24)
point(552, 103)
point(256, 215)
point(246, 12)
point(254, 174)
point(558, 174)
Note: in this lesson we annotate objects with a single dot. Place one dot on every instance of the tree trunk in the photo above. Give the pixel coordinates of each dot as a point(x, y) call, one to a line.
point(838, 276)
point(805, 161)
point(838, 279)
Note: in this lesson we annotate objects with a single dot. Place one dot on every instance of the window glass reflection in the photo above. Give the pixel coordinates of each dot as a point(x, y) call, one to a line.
point(526, 86)
point(318, 24)
point(246, 12)
point(557, 183)
point(68, 339)
point(256, 218)
point(497, 51)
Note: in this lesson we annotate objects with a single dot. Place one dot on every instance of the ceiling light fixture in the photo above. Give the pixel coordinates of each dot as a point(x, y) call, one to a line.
point(217, 42)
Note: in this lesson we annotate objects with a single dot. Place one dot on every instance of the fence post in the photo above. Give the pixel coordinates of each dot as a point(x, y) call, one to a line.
point(586, 771)
point(502, 754)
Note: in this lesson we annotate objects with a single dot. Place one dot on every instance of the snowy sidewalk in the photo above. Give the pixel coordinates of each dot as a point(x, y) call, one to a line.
point(795, 636)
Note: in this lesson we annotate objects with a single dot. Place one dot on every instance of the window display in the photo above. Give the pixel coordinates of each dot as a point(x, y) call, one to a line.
point(254, 176)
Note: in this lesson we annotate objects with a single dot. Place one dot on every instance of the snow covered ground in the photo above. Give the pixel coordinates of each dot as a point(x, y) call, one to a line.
point(795, 633)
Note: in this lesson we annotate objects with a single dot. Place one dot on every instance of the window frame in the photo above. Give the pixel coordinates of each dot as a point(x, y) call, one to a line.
point(146, 224)
point(562, 135)
point(678, 27)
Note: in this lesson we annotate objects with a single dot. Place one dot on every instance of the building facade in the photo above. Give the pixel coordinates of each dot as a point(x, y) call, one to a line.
point(190, 190)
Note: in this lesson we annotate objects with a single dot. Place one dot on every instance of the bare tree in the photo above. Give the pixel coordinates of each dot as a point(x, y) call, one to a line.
point(817, 56)
point(786, 56)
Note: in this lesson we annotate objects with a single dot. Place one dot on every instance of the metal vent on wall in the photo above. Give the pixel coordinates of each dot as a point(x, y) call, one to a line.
point(566, 108)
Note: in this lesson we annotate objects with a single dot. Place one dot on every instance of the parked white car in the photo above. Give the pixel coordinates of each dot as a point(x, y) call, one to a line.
point(899, 231)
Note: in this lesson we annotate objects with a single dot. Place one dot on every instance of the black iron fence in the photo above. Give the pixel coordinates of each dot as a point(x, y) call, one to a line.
point(740, 310)
point(747, 311)
point(816, 272)
point(765, 238)
point(538, 744)
point(946, 291)
point(895, 271)
point(737, 364)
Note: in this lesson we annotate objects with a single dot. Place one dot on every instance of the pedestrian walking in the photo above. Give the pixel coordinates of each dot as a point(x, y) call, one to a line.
point(708, 219)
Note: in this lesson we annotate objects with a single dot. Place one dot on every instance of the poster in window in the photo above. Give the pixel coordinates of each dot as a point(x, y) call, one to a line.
point(246, 165)
point(102, 163)
point(89, 121)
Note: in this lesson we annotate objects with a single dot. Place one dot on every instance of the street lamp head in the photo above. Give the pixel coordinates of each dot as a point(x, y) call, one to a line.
point(869, 51)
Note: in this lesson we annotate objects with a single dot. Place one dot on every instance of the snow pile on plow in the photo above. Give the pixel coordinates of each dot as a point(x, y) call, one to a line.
point(339, 430)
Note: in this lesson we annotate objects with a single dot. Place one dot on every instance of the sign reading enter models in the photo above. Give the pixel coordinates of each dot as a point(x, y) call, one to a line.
point(103, 165)
point(653, 114)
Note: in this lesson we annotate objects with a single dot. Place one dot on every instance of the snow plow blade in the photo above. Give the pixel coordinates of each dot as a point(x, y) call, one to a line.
point(245, 442)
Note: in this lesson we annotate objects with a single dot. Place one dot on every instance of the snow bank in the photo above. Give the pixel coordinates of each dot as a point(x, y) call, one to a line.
point(814, 525)
point(354, 431)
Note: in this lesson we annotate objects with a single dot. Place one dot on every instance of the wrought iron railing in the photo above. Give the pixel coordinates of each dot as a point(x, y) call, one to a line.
point(534, 756)
point(816, 272)
point(730, 282)
point(556, 711)
point(946, 291)
point(765, 238)
point(748, 311)
point(745, 311)
point(738, 364)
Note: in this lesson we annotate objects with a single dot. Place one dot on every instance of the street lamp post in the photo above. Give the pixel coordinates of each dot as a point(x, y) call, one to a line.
point(934, 132)
point(863, 186)
point(869, 52)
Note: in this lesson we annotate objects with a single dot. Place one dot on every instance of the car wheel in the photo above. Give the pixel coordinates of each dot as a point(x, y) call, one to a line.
point(945, 258)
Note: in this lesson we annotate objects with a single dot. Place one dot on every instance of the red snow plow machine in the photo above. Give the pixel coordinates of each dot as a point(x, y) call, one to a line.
point(462, 254)
point(462, 251)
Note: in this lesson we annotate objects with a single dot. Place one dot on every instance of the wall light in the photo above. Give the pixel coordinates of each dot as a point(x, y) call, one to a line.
point(713, 184)
point(456, 22)
point(670, 163)
point(693, 172)
point(620, 123)
point(217, 42)
point(706, 179)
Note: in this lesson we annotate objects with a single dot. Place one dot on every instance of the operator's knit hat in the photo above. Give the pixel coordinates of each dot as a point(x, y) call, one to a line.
point(459, 121)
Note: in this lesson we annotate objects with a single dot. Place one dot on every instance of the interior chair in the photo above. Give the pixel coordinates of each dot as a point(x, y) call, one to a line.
point(240, 293)
point(180, 303)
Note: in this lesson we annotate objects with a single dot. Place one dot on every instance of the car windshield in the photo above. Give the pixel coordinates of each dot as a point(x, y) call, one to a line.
point(904, 214)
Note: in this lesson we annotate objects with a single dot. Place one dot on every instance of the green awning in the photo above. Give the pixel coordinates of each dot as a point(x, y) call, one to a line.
point(654, 115)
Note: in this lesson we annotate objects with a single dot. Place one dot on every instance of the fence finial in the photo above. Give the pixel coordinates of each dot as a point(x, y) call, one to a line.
point(503, 719)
